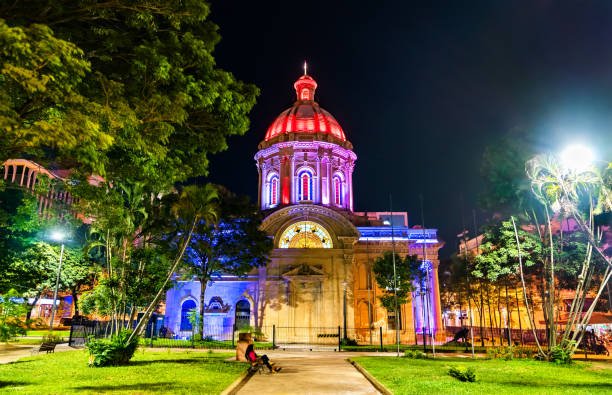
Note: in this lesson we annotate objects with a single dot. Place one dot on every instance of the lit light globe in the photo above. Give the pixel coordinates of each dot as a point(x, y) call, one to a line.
point(576, 158)
point(58, 235)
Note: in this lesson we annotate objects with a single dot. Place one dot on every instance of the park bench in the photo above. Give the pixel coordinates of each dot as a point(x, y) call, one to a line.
point(327, 335)
point(48, 347)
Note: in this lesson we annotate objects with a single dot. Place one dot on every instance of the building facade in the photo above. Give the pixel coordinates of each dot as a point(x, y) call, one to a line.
point(320, 272)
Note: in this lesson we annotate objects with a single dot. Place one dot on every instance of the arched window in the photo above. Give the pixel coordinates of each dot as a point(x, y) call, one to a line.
point(305, 185)
point(186, 307)
point(243, 314)
point(305, 94)
point(273, 191)
point(337, 183)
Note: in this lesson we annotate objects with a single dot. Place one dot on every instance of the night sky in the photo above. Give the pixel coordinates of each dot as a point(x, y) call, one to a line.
point(420, 88)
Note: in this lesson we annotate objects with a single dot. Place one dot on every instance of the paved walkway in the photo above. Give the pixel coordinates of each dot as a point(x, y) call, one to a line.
point(14, 353)
point(310, 373)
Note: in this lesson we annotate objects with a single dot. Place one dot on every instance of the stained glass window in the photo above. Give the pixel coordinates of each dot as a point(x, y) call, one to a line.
point(337, 191)
point(273, 198)
point(305, 185)
point(305, 234)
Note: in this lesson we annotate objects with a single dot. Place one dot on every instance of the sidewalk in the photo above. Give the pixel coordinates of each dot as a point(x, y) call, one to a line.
point(14, 353)
point(310, 373)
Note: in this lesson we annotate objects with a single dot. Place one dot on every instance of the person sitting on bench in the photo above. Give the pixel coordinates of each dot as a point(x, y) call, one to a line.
point(252, 356)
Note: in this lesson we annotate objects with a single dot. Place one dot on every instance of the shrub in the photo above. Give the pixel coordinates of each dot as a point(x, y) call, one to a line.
point(561, 354)
point(11, 309)
point(113, 352)
point(52, 338)
point(505, 353)
point(463, 375)
point(415, 354)
point(349, 342)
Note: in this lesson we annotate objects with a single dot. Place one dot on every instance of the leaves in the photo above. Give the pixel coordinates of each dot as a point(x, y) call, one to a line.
point(407, 270)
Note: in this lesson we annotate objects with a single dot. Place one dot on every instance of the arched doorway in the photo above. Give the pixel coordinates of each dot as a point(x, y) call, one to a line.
point(243, 314)
point(186, 307)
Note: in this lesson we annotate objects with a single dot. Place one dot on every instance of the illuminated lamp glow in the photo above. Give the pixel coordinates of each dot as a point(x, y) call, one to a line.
point(576, 158)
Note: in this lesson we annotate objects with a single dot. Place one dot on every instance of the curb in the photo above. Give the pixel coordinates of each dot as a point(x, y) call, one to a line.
point(377, 384)
point(237, 384)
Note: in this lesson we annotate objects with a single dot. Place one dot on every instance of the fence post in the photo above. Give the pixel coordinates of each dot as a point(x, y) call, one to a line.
point(339, 340)
point(233, 334)
point(151, 336)
point(274, 337)
point(70, 338)
point(381, 339)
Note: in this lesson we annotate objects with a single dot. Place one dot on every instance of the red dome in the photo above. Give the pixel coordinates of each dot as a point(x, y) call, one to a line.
point(306, 116)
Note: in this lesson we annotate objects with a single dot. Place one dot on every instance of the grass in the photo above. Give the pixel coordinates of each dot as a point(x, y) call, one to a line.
point(427, 376)
point(163, 372)
point(41, 333)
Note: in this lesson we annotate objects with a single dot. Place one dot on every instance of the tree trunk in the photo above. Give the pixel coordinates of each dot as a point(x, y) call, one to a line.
point(75, 300)
point(518, 313)
point(32, 306)
point(142, 324)
point(203, 283)
point(481, 311)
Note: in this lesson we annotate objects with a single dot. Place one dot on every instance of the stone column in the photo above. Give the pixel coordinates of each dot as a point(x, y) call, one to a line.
point(349, 188)
point(317, 197)
point(329, 179)
point(293, 187)
point(260, 193)
point(437, 305)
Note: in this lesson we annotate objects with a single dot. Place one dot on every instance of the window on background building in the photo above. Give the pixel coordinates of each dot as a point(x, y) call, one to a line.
point(305, 189)
point(273, 198)
point(186, 307)
point(337, 191)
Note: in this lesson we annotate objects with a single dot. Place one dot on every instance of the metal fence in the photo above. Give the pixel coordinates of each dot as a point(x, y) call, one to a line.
point(322, 338)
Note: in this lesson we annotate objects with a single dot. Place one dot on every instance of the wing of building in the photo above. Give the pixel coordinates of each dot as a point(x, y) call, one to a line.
point(320, 273)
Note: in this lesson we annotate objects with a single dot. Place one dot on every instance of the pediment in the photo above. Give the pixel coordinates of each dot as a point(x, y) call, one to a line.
point(304, 271)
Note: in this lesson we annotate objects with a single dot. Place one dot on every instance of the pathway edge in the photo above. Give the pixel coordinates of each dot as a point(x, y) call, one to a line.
point(238, 383)
point(377, 384)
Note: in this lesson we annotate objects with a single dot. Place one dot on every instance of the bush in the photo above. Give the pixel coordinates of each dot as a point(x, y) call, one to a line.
point(113, 352)
point(562, 353)
point(349, 342)
point(11, 309)
point(415, 354)
point(52, 338)
point(505, 353)
point(463, 375)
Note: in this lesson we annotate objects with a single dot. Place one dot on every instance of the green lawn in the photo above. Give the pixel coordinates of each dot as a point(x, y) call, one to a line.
point(168, 372)
point(418, 376)
point(37, 332)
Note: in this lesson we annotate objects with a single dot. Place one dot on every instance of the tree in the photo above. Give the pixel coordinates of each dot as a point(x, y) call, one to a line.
point(11, 310)
point(194, 205)
point(233, 245)
point(148, 71)
point(41, 105)
point(580, 194)
point(407, 271)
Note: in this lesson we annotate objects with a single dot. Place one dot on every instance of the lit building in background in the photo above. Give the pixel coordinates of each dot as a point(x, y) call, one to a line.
point(320, 272)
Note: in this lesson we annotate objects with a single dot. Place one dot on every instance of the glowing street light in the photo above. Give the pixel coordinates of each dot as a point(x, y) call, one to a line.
point(576, 158)
point(59, 236)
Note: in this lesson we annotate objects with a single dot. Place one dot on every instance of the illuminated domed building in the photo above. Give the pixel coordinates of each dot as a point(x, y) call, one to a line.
point(319, 276)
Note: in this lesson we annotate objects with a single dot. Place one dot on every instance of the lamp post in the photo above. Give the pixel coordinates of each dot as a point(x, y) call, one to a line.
point(57, 236)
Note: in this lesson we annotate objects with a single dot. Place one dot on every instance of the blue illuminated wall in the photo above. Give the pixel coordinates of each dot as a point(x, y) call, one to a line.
point(219, 303)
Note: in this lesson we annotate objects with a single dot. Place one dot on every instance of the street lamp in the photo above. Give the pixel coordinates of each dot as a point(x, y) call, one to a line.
point(576, 158)
point(58, 236)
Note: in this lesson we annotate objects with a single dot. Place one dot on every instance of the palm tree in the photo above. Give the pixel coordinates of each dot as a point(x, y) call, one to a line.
point(195, 204)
